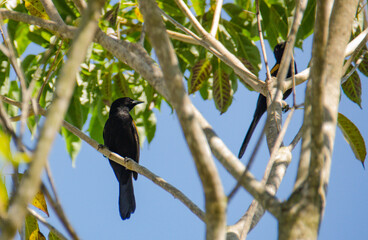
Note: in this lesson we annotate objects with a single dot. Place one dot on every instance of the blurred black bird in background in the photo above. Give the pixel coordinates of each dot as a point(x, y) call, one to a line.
point(120, 136)
point(262, 101)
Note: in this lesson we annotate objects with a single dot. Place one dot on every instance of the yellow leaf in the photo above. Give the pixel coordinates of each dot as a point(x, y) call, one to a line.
point(5, 146)
point(36, 9)
point(31, 226)
point(138, 14)
point(37, 235)
point(21, 157)
point(40, 202)
point(3, 197)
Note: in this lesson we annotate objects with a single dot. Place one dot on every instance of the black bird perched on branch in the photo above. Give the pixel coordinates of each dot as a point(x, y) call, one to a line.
point(121, 136)
point(262, 101)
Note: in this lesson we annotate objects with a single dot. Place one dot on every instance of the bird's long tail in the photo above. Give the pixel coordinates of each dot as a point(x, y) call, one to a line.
point(249, 135)
point(260, 110)
point(126, 199)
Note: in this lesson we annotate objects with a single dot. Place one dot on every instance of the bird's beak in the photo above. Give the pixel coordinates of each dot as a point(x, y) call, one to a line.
point(136, 102)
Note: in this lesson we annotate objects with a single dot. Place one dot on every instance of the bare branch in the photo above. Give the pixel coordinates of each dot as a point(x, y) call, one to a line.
point(216, 17)
point(52, 11)
point(226, 56)
point(332, 32)
point(214, 194)
point(56, 205)
point(31, 180)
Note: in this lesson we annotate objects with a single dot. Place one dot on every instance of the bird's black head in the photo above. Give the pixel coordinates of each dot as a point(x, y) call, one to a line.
point(121, 104)
point(279, 51)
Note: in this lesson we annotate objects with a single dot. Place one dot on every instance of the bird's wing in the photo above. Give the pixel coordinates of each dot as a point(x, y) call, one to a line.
point(136, 139)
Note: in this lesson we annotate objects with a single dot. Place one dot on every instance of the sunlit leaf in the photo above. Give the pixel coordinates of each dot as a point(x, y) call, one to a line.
point(53, 236)
point(21, 157)
point(31, 227)
point(37, 235)
point(199, 6)
point(39, 202)
point(149, 120)
point(353, 137)
point(353, 87)
point(3, 196)
point(200, 73)
point(307, 25)
point(5, 150)
point(36, 9)
point(138, 14)
point(221, 90)
point(73, 144)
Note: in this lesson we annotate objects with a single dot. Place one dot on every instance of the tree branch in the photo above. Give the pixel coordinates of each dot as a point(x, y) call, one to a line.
point(216, 17)
point(52, 11)
point(215, 199)
point(332, 32)
point(31, 180)
point(131, 166)
point(226, 56)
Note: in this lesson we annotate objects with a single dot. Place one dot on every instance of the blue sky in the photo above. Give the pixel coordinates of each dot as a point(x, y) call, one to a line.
point(89, 191)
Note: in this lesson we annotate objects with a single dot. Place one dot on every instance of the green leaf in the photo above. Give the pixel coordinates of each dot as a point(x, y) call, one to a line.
point(307, 25)
point(65, 10)
point(106, 89)
point(31, 226)
point(20, 39)
point(275, 23)
point(221, 89)
point(353, 87)
point(53, 236)
point(76, 115)
point(4, 74)
point(199, 6)
point(353, 137)
point(112, 15)
point(170, 8)
point(200, 73)
point(97, 122)
point(36, 9)
point(73, 144)
point(206, 90)
point(149, 120)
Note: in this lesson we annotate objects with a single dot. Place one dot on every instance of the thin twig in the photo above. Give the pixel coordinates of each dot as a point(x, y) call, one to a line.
point(31, 181)
point(21, 77)
point(50, 71)
point(47, 224)
point(52, 183)
point(182, 37)
point(59, 212)
point(260, 34)
point(296, 139)
point(249, 164)
point(357, 63)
